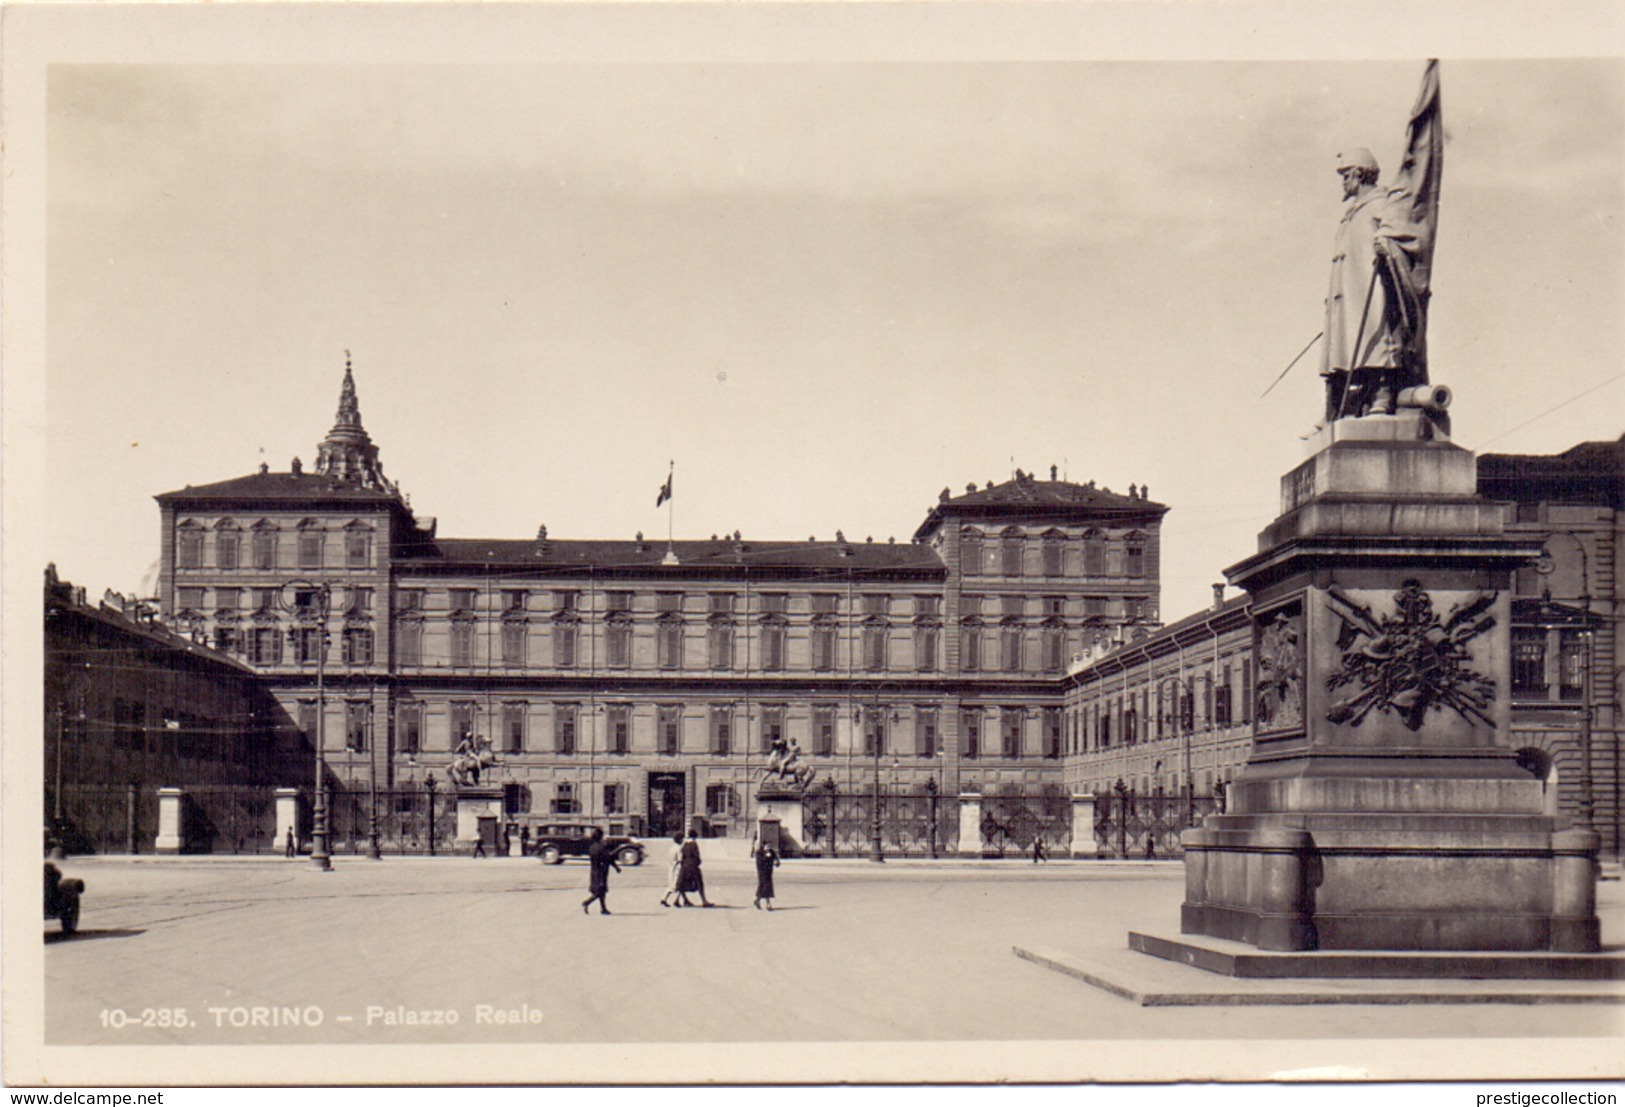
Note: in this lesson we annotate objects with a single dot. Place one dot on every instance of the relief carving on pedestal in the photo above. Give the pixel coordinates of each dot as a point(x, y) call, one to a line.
point(1280, 673)
point(1409, 662)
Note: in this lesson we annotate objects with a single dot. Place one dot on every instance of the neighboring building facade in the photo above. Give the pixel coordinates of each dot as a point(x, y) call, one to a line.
point(1128, 721)
point(131, 706)
point(646, 681)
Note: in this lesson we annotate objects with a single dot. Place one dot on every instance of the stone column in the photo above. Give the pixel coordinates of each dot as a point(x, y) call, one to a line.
point(970, 824)
point(169, 821)
point(287, 817)
point(1083, 827)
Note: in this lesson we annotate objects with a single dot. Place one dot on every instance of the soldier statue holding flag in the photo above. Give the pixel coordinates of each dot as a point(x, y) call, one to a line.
point(1376, 307)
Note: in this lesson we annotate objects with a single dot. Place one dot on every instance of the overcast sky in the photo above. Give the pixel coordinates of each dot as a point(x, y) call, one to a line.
point(826, 291)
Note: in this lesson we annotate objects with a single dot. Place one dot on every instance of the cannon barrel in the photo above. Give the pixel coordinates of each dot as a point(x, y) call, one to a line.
point(1428, 397)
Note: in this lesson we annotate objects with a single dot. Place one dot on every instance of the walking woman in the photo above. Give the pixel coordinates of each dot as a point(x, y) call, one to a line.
point(672, 889)
point(689, 877)
point(767, 859)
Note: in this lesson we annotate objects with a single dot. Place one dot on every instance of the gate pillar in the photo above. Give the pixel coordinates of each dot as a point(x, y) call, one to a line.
point(169, 821)
point(970, 824)
point(1083, 827)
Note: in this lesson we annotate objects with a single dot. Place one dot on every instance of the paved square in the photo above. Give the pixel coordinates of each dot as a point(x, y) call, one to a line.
point(218, 950)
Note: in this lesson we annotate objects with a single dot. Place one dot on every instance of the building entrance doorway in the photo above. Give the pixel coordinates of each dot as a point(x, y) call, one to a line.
point(668, 804)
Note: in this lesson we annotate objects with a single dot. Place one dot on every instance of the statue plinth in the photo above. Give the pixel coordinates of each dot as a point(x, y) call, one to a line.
point(1382, 806)
point(476, 802)
point(780, 808)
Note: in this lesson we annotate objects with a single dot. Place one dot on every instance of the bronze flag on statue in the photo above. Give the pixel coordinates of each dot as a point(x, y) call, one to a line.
point(1413, 210)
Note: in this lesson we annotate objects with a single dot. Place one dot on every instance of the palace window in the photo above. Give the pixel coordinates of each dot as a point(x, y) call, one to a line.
point(1529, 662)
point(564, 728)
point(775, 603)
point(1134, 558)
point(823, 647)
point(265, 646)
point(356, 717)
point(1054, 551)
point(515, 601)
point(618, 642)
point(463, 601)
point(615, 799)
point(357, 646)
point(925, 648)
point(564, 798)
point(1222, 712)
point(617, 602)
point(876, 605)
point(1052, 732)
point(927, 607)
point(1094, 554)
point(409, 599)
point(721, 800)
point(312, 543)
point(308, 721)
point(1010, 548)
point(189, 599)
point(357, 547)
point(669, 642)
point(825, 603)
point(721, 729)
point(970, 733)
point(265, 546)
point(226, 639)
point(720, 645)
point(925, 732)
point(620, 728)
point(409, 642)
point(189, 547)
point(875, 637)
point(1054, 649)
point(722, 603)
point(970, 647)
point(515, 636)
point(462, 643)
point(669, 602)
point(307, 644)
point(772, 727)
point(773, 646)
point(1010, 732)
point(970, 553)
point(670, 722)
point(464, 718)
point(564, 643)
point(513, 728)
point(823, 735)
point(227, 544)
point(1571, 655)
point(409, 726)
point(874, 731)
point(1010, 648)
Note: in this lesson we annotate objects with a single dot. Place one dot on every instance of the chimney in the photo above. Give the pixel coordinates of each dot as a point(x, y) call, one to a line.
point(1218, 596)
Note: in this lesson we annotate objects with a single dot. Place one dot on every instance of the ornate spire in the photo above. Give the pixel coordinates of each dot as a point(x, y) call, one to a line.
point(348, 455)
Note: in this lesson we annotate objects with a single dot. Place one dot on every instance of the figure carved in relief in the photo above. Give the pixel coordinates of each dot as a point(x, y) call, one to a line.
point(1280, 675)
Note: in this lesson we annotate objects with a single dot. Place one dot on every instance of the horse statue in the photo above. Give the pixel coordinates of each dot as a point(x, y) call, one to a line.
point(471, 757)
point(784, 765)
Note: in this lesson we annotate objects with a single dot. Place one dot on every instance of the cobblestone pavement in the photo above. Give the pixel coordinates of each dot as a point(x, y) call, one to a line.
point(408, 950)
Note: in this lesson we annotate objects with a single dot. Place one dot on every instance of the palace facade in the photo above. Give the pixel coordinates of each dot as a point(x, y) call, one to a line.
point(644, 681)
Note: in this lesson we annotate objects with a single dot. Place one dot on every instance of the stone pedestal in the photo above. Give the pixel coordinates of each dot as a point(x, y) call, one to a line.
point(169, 838)
point(970, 824)
point(1083, 827)
point(782, 808)
point(287, 817)
point(1381, 806)
point(474, 804)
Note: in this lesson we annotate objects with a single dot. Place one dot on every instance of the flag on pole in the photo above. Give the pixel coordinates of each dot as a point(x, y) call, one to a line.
point(665, 491)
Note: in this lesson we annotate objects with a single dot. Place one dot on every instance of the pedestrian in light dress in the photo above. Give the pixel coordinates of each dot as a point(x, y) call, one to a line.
point(767, 859)
point(600, 859)
point(674, 897)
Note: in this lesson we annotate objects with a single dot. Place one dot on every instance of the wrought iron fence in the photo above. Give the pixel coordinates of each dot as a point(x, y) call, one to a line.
point(1148, 826)
point(97, 818)
point(228, 819)
point(410, 820)
point(912, 824)
point(1012, 822)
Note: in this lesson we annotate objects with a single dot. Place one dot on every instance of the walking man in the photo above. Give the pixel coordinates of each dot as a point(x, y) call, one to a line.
point(600, 859)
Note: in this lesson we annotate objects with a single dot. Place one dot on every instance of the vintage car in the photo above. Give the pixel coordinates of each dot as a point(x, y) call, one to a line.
point(553, 841)
point(62, 898)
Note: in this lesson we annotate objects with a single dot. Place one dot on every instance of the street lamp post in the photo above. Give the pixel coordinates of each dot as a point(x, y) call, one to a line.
point(878, 723)
point(429, 783)
point(374, 847)
point(317, 597)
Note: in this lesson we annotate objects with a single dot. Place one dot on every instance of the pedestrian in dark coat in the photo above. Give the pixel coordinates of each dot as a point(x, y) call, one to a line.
point(600, 859)
point(767, 859)
point(689, 877)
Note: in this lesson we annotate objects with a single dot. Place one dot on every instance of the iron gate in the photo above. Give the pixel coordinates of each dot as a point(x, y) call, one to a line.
point(98, 818)
point(1011, 822)
point(403, 815)
point(1148, 826)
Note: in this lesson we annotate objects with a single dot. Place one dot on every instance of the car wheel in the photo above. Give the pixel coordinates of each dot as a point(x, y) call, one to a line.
point(550, 855)
point(631, 856)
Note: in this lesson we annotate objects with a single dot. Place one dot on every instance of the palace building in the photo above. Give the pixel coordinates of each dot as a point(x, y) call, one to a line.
point(643, 682)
